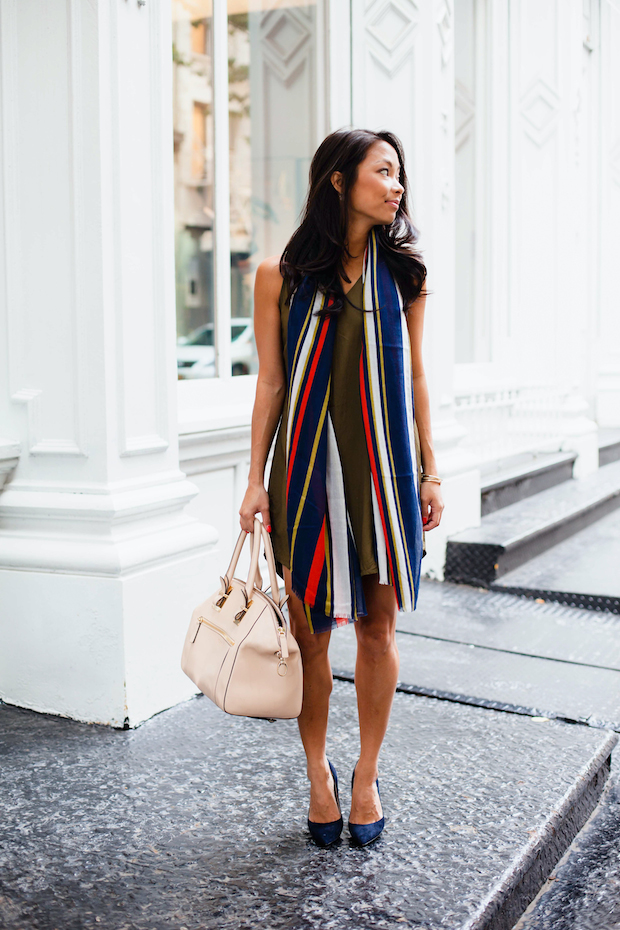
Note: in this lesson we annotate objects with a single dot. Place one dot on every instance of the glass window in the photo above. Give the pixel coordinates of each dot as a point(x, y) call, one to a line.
point(272, 133)
point(272, 136)
point(193, 186)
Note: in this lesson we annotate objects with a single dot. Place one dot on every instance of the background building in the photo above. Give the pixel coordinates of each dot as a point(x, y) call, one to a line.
point(152, 155)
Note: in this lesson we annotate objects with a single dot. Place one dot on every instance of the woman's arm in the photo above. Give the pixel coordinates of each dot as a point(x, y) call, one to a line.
point(270, 389)
point(430, 496)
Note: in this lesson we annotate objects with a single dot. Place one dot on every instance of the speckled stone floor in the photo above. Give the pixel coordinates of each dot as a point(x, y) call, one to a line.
point(583, 892)
point(585, 563)
point(197, 819)
point(472, 643)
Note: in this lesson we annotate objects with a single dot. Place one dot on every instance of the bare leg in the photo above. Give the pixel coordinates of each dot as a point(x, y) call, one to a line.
point(312, 721)
point(376, 675)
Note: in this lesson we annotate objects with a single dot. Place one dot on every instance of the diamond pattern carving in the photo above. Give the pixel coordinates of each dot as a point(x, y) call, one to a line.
point(389, 26)
point(285, 39)
point(443, 19)
point(389, 32)
point(539, 108)
point(285, 36)
point(464, 113)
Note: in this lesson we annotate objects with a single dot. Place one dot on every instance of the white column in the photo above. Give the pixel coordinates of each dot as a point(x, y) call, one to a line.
point(403, 80)
point(99, 566)
point(605, 281)
point(547, 328)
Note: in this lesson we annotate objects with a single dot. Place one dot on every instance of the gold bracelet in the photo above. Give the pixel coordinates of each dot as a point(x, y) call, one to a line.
point(435, 478)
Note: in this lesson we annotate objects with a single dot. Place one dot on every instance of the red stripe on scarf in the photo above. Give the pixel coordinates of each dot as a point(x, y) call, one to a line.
point(373, 465)
point(316, 569)
point(302, 407)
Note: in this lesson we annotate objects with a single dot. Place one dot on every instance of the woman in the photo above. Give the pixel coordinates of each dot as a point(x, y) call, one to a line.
point(338, 321)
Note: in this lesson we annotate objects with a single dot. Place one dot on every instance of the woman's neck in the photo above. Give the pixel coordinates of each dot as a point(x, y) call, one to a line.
point(356, 239)
point(355, 242)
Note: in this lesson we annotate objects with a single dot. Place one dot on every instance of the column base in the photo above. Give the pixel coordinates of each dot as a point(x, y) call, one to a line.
point(97, 591)
point(100, 650)
point(580, 435)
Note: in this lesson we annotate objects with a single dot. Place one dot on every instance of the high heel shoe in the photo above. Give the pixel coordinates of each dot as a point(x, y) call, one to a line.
point(365, 833)
point(324, 834)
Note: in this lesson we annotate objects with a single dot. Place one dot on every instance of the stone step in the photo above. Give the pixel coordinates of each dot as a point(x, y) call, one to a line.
point(511, 536)
point(583, 891)
point(485, 649)
point(518, 477)
point(197, 819)
point(581, 571)
point(559, 663)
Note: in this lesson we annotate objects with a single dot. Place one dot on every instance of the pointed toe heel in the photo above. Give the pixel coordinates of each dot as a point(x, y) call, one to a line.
point(364, 833)
point(325, 834)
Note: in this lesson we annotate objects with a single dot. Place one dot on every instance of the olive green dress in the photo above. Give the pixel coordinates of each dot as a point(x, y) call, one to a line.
point(346, 412)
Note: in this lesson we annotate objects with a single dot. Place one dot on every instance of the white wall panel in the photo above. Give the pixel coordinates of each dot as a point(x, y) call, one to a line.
point(537, 86)
point(221, 493)
point(468, 60)
point(608, 317)
point(384, 63)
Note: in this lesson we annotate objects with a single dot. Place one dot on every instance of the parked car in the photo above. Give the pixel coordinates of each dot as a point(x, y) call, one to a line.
point(196, 352)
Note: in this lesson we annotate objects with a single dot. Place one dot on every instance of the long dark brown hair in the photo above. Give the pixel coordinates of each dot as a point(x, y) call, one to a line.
point(318, 245)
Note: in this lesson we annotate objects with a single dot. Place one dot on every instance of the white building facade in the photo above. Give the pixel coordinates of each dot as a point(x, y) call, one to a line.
point(152, 154)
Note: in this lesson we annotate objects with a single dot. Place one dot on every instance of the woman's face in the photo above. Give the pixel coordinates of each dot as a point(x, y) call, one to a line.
point(376, 194)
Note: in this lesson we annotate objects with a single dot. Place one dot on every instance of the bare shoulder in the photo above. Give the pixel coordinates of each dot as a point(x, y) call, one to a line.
point(269, 264)
point(269, 277)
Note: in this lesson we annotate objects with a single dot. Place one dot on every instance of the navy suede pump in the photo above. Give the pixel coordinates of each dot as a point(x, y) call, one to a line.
point(365, 833)
point(324, 834)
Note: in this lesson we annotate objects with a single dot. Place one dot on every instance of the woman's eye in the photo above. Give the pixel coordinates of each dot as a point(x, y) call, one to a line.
point(386, 170)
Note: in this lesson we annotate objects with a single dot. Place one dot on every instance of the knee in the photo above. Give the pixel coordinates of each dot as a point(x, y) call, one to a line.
point(375, 637)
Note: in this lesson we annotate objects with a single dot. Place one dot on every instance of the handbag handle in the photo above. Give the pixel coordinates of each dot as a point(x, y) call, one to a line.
point(230, 571)
point(261, 534)
point(271, 564)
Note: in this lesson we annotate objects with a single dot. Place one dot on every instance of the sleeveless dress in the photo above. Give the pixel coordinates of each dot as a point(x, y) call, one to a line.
point(346, 411)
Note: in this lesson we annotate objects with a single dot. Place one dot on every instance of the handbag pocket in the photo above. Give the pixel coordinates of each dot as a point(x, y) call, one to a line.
point(216, 629)
point(205, 654)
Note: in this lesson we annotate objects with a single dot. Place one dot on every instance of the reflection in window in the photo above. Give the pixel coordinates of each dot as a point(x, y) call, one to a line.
point(272, 129)
point(272, 119)
point(193, 180)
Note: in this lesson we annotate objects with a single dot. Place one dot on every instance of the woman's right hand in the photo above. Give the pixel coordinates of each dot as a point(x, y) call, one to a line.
point(256, 501)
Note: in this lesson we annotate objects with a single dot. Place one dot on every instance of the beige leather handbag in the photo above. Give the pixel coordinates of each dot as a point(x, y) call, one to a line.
point(239, 649)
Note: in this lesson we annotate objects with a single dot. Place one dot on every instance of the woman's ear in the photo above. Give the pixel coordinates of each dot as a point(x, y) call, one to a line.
point(336, 180)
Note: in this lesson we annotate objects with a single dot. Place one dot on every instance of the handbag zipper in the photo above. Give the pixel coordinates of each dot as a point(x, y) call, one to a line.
point(216, 629)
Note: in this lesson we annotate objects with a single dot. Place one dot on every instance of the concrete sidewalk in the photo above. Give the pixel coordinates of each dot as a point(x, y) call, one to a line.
point(492, 649)
point(197, 820)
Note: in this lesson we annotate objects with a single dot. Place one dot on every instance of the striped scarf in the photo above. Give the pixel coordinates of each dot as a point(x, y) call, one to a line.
point(324, 566)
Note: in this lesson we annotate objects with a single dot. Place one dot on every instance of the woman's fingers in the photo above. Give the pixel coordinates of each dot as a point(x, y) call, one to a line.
point(255, 502)
point(432, 507)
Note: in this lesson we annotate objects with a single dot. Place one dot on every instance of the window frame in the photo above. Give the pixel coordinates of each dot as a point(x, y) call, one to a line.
point(226, 400)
